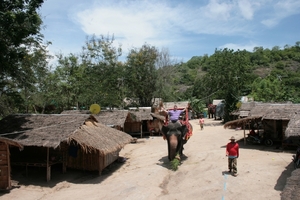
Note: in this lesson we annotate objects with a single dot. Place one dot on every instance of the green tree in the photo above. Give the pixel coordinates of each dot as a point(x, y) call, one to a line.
point(141, 74)
point(267, 90)
point(104, 74)
point(165, 76)
point(20, 42)
point(69, 76)
point(228, 74)
point(20, 27)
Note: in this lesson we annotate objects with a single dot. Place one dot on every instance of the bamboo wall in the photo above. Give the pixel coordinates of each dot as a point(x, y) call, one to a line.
point(5, 182)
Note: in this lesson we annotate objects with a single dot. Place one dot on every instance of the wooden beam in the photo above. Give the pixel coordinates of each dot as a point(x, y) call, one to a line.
point(48, 167)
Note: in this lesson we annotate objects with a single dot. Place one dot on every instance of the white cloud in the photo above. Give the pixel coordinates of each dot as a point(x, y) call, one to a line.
point(246, 9)
point(181, 26)
point(281, 10)
point(249, 47)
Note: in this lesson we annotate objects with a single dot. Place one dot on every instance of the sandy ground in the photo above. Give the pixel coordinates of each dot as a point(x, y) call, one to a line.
point(146, 174)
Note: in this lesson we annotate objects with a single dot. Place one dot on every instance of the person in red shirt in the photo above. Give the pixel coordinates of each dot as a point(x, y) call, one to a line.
point(232, 151)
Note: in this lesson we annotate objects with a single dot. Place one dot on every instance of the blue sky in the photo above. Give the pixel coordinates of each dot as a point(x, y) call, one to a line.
point(186, 28)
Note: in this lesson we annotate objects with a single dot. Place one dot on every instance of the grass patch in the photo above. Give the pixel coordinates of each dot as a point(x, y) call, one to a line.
point(175, 162)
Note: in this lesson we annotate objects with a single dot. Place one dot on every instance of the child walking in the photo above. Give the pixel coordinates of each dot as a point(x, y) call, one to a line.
point(201, 122)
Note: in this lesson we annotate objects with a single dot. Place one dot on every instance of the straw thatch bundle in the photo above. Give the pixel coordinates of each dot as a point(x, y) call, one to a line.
point(240, 122)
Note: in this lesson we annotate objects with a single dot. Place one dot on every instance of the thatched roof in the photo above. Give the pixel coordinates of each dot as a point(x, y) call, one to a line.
point(114, 117)
point(259, 110)
point(158, 116)
point(293, 128)
point(140, 114)
point(240, 122)
point(247, 106)
point(76, 112)
point(51, 130)
point(109, 140)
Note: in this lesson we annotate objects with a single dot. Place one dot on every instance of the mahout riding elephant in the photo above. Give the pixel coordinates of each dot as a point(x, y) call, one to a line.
point(175, 133)
point(211, 109)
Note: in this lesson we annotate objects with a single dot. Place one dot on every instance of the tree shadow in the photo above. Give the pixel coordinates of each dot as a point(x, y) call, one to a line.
point(281, 181)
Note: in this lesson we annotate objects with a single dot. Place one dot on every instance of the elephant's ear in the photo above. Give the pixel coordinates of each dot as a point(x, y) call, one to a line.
point(165, 129)
point(184, 130)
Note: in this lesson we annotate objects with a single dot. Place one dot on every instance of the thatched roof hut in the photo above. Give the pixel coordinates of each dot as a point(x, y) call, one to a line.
point(51, 130)
point(57, 133)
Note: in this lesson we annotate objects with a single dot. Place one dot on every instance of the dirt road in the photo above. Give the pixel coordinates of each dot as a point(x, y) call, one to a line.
point(146, 174)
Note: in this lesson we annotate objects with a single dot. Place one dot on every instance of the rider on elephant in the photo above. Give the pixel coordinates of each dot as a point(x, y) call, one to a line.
point(175, 114)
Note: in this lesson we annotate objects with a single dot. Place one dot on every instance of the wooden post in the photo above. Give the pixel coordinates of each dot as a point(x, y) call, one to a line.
point(48, 167)
point(141, 130)
point(244, 127)
point(8, 166)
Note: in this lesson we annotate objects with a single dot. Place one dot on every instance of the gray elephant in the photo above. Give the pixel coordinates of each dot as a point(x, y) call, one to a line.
point(175, 134)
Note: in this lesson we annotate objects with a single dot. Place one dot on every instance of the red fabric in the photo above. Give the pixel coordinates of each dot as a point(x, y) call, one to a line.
point(232, 149)
point(186, 122)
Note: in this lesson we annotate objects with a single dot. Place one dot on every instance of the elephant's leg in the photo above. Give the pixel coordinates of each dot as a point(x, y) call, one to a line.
point(173, 142)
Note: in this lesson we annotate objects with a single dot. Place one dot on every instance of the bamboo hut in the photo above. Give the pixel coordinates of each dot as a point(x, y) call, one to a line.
point(72, 141)
point(274, 118)
point(136, 121)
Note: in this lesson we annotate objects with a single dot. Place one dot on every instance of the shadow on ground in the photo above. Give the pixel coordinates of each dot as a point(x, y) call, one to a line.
point(37, 175)
point(164, 161)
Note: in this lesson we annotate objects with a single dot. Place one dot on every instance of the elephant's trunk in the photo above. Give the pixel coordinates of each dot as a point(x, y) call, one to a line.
point(173, 142)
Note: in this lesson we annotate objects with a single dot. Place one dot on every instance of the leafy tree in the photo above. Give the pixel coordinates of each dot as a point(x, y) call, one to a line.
point(228, 73)
point(20, 44)
point(69, 77)
point(267, 90)
point(105, 79)
point(141, 74)
point(19, 28)
point(165, 76)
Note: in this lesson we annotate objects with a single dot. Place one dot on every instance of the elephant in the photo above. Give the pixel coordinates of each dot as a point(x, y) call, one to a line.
point(211, 110)
point(175, 134)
